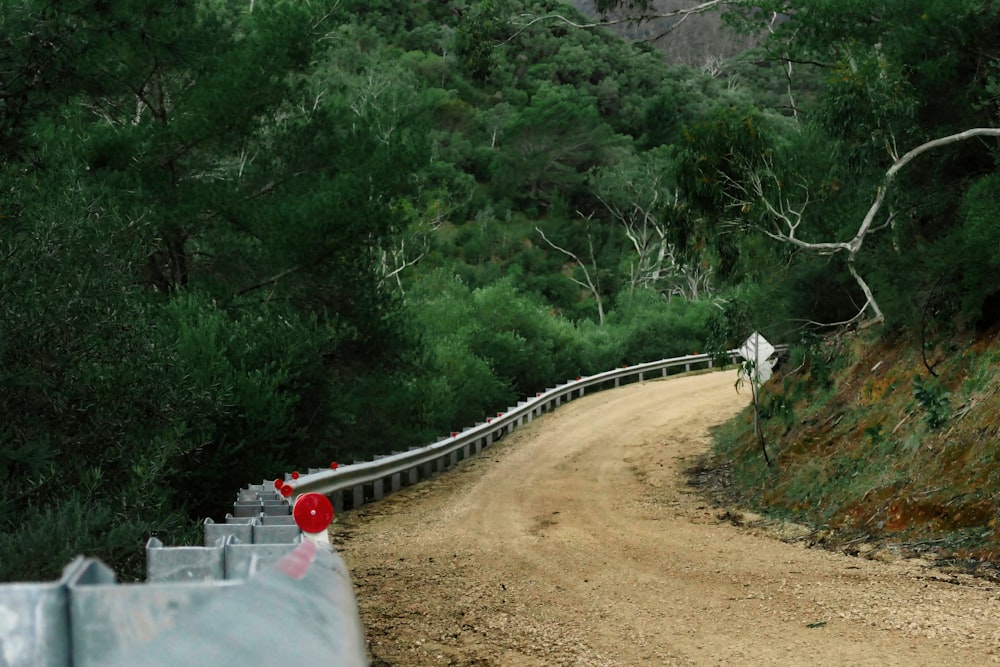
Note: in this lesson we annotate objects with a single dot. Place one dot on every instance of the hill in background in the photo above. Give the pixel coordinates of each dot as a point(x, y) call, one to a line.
point(700, 40)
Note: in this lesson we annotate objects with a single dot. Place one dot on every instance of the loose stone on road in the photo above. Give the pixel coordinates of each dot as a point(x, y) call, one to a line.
point(577, 541)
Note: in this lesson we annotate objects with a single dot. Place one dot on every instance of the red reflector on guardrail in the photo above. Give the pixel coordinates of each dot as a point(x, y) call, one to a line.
point(278, 483)
point(313, 512)
point(286, 490)
point(333, 466)
point(295, 474)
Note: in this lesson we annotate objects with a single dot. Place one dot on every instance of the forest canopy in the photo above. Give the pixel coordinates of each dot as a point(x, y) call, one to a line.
point(243, 237)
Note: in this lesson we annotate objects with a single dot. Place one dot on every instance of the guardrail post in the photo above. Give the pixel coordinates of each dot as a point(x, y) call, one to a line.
point(244, 509)
point(107, 617)
point(357, 496)
point(238, 527)
point(275, 507)
point(184, 563)
point(378, 489)
point(244, 560)
point(395, 482)
point(37, 628)
point(274, 534)
point(337, 498)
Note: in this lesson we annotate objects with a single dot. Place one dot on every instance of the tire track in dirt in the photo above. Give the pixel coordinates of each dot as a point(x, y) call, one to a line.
point(576, 541)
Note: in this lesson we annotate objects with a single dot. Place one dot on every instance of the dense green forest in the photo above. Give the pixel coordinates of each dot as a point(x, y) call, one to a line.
point(243, 237)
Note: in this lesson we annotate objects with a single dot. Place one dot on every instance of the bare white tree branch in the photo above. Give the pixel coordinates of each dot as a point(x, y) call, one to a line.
point(592, 283)
point(787, 218)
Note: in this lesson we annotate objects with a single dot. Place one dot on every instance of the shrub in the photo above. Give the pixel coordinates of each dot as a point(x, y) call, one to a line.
point(651, 328)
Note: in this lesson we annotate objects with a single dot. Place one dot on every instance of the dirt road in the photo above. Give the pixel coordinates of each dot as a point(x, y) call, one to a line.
point(576, 541)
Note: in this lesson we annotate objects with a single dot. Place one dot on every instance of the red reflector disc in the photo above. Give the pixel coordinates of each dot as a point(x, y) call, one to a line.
point(313, 512)
point(295, 474)
point(286, 490)
point(278, 483)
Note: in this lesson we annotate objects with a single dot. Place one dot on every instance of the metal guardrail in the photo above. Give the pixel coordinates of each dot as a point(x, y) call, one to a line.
point(304, 605)
point(256, 582)
point(359, 482)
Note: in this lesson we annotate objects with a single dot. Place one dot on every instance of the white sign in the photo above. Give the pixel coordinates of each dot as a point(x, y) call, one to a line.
point(758, 352)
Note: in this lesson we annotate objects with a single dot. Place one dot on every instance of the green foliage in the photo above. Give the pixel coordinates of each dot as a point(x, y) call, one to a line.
point(978, 240)
point(716, 156)
point(867, 101)
point(237, 241)
point(651, 328)
point(521, 342)
point(718, 150)
point(115, 532)
point(479, 37)
point(548, 148)
point(933, 399)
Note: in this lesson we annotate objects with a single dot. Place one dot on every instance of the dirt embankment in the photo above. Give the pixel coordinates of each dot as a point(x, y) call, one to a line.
point(578, 541)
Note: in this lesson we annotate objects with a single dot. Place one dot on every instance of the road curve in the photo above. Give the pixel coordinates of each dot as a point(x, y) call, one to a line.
point(576, 541)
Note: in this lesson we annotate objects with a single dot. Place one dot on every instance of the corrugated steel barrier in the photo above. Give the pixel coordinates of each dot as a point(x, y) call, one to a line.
point(258, 582)
point(264, 579)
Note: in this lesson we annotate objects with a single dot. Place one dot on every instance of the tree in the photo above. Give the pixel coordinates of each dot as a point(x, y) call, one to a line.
point(551, 144)
point(479, 35)
point(766, 188)
point(642, 197)
point(191, 267)
point(893, 77)
point(591, 274)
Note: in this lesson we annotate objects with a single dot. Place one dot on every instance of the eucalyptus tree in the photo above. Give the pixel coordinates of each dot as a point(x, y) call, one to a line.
point(851, 178)
point(643, 199)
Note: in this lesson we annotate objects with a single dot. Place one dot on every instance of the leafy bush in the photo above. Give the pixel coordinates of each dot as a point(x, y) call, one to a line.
point(650, 328)
point(934, 400)
point(492, 344)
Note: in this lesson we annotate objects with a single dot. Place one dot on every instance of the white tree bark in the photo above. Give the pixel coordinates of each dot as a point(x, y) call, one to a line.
point(657, 264)
point(592, 283)
point(787, 218)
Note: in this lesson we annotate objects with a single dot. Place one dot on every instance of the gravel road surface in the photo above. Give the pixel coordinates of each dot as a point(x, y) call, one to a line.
point(577, 540)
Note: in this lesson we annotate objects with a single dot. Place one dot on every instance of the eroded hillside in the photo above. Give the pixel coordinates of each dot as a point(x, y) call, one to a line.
point(875, 452)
